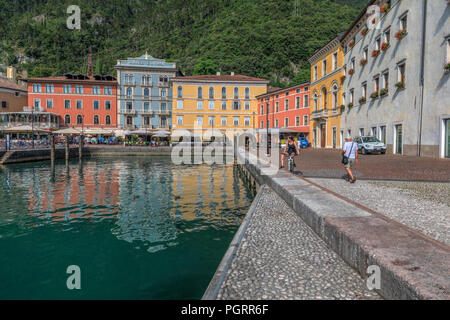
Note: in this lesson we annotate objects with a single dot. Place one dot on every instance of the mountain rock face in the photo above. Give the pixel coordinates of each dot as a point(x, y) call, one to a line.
point(264, 38)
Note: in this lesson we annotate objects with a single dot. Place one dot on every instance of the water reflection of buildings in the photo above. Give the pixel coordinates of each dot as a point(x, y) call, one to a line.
point(80, 190)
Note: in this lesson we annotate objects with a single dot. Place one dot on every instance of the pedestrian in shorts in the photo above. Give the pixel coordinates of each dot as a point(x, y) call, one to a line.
point(350, 158)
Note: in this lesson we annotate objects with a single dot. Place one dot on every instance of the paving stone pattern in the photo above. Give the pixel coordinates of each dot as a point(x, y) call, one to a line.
point(422, 206)
point(280, 257)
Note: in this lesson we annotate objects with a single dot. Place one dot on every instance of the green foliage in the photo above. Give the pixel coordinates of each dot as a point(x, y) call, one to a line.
point(205, 66)
point(266, 38)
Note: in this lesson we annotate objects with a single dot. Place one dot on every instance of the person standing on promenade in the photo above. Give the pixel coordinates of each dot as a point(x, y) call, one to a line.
point(350, 158)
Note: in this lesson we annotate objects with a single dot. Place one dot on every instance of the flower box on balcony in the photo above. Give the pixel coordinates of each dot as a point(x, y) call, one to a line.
point(400, 85)
point(351, 71)
point(384, 8)
point(384, 46)
point(384, 92)
point(343, 78)
point(363, 62)
point(374, 95)
point(364, 32)
point(375, 53)
point(351, 44)
point(362, 100)
point(400, 34)
point(350, 105)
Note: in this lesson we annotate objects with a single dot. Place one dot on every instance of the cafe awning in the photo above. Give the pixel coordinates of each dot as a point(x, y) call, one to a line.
point(67, 131)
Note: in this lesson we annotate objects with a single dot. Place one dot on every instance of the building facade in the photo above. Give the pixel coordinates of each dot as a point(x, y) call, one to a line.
point(285, 109)
point(327, 76)
point(225, 104)
point(13, 97)
point(396, 57)
point(80, 101)
point(145, 94)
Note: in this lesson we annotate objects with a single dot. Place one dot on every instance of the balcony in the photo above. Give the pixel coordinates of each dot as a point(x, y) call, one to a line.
point(320, 114)
point(128, 111)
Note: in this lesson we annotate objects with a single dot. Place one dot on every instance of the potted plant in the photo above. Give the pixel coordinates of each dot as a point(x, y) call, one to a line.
point(350, 105)
point(351, 44)
point(343, 78)
point(384, 8)
point(447, 67)
point(400, 85)
point(384, 46)
point(362, 100)
point(342, 107)
point(363, 62)
point(364, 31)
point(384, 92)
point(351, 71)
point(375, 53)
point(374, 95)
point(400, 34)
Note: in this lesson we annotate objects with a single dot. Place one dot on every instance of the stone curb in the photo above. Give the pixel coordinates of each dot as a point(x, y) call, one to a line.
point(412, 265)
point(222, 270)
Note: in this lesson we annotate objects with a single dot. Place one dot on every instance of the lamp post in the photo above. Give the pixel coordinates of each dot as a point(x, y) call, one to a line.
point(32, 126)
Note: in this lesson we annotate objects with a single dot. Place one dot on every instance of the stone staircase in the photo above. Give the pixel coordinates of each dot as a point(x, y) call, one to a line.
point(6, 157)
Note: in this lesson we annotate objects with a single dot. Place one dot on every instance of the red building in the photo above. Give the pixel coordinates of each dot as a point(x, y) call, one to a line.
point(80, 101)
point(286, 109)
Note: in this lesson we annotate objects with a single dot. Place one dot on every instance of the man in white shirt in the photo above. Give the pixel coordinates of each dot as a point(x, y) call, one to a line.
point(350, 151)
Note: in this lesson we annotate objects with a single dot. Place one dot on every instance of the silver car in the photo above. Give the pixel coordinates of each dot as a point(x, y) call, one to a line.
point(370, 144)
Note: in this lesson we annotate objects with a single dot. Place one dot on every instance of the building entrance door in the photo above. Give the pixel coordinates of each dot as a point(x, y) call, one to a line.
point(447, 138)
point(398, 139)
point(322, 135)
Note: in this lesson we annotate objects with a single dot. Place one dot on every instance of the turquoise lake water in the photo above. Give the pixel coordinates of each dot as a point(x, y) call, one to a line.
point(138, 228)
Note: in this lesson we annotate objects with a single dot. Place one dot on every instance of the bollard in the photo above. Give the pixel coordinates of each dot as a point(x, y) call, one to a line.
point(80, 147)
point(52, 149)
point(67, 148)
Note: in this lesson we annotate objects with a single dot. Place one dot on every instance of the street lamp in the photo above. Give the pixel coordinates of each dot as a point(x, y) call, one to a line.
point(32, 126)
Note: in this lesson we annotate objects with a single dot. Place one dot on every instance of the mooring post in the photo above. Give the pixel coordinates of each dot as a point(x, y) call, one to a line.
point(67, 148)
point(52, 149)
point(80, 147)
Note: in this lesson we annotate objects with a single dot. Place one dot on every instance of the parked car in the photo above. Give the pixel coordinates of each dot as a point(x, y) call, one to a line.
point(303, 142)
point(370, 144)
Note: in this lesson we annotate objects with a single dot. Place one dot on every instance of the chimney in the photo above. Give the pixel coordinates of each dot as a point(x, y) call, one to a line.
point(232, 73)
point(218, 73)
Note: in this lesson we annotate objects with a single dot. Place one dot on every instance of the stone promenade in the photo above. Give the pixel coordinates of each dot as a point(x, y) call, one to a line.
point(280, 257)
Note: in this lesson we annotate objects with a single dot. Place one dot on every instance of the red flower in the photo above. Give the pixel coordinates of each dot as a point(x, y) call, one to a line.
point(385, 46)
point(384, 8)
point(375, 53)
point(364, 31)
point(363, 62)
point(351, 44)
point(351, 71)
point(400, 34)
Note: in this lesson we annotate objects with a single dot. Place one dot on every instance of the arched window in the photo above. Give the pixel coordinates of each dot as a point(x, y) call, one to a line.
point(146, 93)
point(96, 121)
point(79, 119)
point(211, 93)
point(224, 93)
point(316, 98)
point(247, 93)
point(236, 93)
point(335, 96)
point(108, 120)
point(180, 92)
point(324, 98)
point(67, 119)
point(200, 92)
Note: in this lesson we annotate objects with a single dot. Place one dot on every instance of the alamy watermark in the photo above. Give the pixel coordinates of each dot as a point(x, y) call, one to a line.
point(74, 21)
point(74, 280)
point(374, 280)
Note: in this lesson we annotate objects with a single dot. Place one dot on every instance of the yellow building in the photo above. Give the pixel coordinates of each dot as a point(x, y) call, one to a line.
point(219, 104)
point(327, 72)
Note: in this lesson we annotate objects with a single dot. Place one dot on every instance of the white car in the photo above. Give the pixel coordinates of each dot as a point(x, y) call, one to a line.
point(369, 144)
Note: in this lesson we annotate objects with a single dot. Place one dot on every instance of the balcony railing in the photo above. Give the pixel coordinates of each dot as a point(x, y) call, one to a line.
point(318, 114)
point(128, 111)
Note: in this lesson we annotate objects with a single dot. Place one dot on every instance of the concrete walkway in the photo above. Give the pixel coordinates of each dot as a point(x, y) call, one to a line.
point(280, 257)
point(422, 206)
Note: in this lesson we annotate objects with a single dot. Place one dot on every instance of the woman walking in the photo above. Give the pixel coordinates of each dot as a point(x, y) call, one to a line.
point(350, 158)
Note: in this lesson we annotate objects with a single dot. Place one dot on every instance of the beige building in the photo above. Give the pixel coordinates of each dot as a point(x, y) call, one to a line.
point(13, 97)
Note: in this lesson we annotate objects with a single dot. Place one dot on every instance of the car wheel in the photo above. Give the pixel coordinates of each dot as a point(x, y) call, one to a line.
point(383, 152)
point(363, 151)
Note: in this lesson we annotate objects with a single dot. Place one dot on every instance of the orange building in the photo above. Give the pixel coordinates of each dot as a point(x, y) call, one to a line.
point(80, 101)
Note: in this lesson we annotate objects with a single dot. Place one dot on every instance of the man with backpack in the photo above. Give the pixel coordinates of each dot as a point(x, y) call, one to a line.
point(350, 158)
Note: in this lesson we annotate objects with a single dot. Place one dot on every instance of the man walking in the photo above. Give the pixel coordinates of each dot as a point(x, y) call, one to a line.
point(350, 158)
